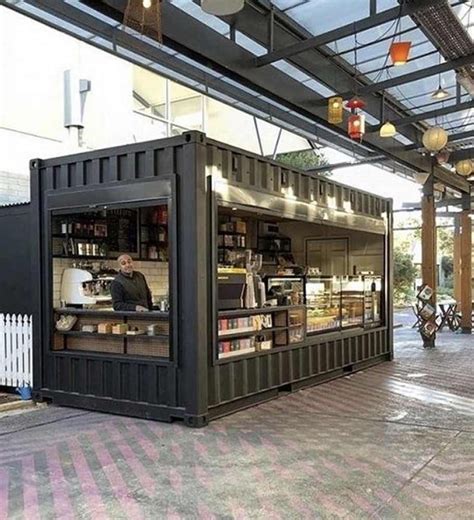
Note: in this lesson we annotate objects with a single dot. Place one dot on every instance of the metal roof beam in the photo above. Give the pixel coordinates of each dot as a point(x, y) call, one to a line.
point(460, 155)
point(426, 115)
point(319, 64)
point(412, 76)
point(89, 23)
point(337, 166)
point(347, 30)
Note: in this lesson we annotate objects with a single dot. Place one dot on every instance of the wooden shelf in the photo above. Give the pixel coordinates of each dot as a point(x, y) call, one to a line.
point(92, 257)
point(150, 315)
point(261, 310)
point(250, 333)
point(78, 333)
point(79, 237)
point(232, 233)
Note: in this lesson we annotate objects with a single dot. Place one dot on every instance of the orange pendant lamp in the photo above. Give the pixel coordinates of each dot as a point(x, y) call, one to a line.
point(399, 52)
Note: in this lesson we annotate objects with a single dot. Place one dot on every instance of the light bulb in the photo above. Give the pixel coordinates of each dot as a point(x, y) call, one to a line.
point(336, 104)
point(146, 4)
point(357, 123)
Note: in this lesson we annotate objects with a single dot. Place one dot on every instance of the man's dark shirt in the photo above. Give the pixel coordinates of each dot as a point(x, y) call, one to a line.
point(128, 291)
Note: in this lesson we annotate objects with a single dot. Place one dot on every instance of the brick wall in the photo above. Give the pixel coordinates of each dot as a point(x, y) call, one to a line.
point(156, 274)
point(14, 188)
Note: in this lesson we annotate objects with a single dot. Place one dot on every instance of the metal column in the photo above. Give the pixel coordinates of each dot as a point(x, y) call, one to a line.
point(466, 265)
point(428, 244)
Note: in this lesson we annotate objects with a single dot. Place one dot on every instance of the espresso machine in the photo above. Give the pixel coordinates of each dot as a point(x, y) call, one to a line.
point(74, 289)
point(82, 287)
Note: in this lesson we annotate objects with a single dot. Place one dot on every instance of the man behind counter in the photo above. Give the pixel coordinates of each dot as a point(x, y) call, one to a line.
point(129, 290)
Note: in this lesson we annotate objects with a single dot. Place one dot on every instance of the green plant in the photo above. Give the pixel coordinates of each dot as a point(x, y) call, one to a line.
point(404, 275)
point(304, 160)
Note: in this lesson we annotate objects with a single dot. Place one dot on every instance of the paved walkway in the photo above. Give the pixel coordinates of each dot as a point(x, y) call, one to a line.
point(395, 441)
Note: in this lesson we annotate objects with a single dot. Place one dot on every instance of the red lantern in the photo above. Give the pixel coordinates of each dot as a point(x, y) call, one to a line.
point(399, 52)
point(355, 103)
point(356, 126)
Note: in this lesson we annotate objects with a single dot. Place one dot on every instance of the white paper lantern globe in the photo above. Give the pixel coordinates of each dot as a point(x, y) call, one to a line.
point(222, 7)
point(435, 139)
point(464, 168)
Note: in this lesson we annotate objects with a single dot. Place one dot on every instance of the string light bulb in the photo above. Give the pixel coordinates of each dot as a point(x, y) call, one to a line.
point(146, 4)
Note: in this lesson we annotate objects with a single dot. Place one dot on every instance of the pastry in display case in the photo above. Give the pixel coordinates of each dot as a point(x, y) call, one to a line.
point(352, 301)
point(323, 303)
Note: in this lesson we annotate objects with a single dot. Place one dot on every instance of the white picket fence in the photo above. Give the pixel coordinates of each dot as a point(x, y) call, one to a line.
point(16, 350)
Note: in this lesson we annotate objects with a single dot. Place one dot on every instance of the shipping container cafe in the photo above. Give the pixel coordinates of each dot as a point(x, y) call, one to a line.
point(262, 279)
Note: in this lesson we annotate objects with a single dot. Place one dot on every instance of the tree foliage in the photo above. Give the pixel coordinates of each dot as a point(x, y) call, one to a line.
point(404, 274)
point(304, 160)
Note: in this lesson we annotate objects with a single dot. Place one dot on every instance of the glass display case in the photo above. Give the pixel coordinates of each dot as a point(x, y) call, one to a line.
point(286, 290)
point(352, 301)
point(372, 300)
point(323, 303)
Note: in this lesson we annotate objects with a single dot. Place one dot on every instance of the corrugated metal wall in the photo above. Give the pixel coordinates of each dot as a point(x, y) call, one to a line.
point(240, 378)
point(116, 378)
point(251, 171)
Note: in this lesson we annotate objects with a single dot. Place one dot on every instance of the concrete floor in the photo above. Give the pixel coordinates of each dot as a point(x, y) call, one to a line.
point(394, 441)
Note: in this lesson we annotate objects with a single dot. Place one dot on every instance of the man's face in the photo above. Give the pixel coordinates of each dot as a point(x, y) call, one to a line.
point(126, 264)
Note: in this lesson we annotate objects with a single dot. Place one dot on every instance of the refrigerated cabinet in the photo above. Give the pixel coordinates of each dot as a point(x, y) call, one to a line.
point(323, 304)
point(352, 301)
point(335, 302)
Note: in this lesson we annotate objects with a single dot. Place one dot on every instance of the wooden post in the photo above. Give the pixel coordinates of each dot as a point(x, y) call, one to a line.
point(428, 245)
point(457, 260)
point(466, 265)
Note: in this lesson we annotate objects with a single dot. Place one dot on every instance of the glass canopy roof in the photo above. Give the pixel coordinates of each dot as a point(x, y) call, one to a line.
point(371, 59)
point(363, 56)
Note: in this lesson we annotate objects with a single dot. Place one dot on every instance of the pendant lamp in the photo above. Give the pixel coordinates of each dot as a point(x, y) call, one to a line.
point(355, 103)
point(443, 156)
point(464, 168)
point(222, 7)
point(356, 126)
point(335, 110)
point(435, 139)
point(399, 52)
point(144, 16)
point(387, 130)
point(440, 93)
